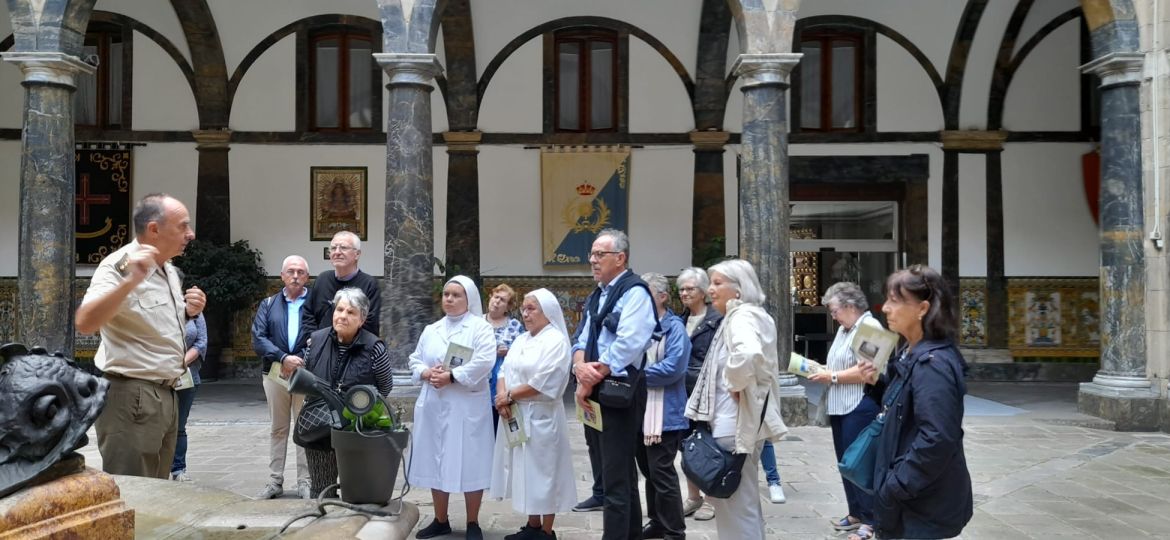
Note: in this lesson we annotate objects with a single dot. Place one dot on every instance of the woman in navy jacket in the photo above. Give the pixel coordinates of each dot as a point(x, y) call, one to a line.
point(922, 488)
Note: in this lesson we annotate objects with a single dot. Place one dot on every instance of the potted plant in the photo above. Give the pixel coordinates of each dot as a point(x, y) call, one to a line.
point(232, 278)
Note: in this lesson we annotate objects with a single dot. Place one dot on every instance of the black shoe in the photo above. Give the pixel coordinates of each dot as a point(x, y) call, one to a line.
point(473, 532)
point(541, 535)
point(653, 530)
point(436, 529)
point(592, 504)
point(527, 532)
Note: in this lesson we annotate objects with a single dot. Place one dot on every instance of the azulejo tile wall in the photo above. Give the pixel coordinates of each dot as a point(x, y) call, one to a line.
point(1047, 317)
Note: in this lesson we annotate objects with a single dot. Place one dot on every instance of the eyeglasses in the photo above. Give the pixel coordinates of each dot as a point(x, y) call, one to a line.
point(343, 249)
point(600, 254)
point(688, 289)
point(295, 272)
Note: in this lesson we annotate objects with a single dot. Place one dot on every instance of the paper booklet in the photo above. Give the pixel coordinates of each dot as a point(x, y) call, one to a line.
point(274, 375)
point(590, 418)
point(457, 355)
point(799, 365)
point(874, 344)
point(514, 427)
point(185, 380)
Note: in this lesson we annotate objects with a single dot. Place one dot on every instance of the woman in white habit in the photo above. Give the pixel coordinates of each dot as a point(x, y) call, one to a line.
point(538, 474)
point(451, 446)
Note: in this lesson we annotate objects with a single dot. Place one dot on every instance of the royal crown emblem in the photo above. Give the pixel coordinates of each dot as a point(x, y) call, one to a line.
point(586, 189)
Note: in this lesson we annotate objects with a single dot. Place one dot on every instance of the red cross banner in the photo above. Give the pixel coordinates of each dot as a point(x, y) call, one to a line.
point(101, 217)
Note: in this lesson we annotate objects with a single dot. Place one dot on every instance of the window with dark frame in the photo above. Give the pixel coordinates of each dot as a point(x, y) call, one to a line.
point(98, 99)
point(586, 63)
point(344, 81)
point(830, 78)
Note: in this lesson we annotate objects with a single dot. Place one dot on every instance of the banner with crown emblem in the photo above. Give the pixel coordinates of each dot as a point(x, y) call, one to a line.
point(583, 190)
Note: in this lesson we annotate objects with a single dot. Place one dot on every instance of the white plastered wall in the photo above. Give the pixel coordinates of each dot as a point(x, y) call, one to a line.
point(9, 206)
point(162, 97)
point(159, 16)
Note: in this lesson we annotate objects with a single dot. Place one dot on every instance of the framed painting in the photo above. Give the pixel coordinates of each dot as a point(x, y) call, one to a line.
point(337, 201)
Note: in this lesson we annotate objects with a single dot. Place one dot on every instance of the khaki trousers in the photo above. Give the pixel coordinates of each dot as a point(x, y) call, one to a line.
point(137, 428)
point(283, 408)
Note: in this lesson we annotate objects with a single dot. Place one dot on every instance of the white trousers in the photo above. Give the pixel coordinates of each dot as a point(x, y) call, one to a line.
point(741, 516)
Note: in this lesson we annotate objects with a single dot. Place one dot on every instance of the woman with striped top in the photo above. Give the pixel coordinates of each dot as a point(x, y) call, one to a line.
point(344, 355)
point(849, 409)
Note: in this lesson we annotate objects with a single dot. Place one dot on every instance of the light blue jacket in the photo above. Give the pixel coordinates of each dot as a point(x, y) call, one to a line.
point(670, 371)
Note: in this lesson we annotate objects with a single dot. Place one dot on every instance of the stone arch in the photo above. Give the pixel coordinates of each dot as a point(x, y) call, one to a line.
point(272, 39)
point(569, 22)
point(1112, 26)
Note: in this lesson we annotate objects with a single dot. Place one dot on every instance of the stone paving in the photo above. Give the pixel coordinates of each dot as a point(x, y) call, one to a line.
point(1039, 469)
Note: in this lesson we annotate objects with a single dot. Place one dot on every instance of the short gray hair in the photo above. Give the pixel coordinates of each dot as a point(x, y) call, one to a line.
point(846, 293)
point(149, 208)
point(657, 282)
point(743, 276)
point(697, 275)
point(621, 242)
point(354, 297)
point(353, 238)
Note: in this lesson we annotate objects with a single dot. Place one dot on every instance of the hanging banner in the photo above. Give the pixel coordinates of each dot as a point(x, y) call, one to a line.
point(101, 217)
point(583, 190)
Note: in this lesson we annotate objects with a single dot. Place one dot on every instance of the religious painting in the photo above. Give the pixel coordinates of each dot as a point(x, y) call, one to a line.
point(337, 201)
point(583, 190)
point(101, 210)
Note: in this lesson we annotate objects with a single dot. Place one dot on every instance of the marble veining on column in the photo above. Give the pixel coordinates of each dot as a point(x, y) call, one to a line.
point(409, 261)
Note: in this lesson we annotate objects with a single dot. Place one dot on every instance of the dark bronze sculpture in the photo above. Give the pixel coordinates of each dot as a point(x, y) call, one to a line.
point(47, 403)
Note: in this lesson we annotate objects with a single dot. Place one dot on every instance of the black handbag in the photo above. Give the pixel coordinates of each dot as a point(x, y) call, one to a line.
point(620, 393)
point(315, 424)
point(706, 464)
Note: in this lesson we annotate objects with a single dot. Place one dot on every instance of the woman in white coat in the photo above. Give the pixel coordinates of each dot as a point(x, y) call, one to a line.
point(451, 446)
point(538, 474)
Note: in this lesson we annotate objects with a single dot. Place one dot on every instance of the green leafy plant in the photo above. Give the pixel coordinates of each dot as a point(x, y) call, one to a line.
point(230, 274)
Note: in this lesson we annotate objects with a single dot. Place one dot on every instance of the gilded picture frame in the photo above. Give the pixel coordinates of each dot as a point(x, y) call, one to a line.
point(338, 201)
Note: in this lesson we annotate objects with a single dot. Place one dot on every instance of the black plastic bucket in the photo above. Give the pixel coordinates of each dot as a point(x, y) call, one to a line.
point(367, 464)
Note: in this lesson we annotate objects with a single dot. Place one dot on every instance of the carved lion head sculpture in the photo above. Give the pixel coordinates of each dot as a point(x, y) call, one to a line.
point(46, 405)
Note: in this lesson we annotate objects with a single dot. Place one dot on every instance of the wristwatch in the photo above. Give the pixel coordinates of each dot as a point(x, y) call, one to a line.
point(510, 400)
point(833, 377)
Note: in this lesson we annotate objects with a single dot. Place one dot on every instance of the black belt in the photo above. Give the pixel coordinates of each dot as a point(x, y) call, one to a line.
point(166, 383)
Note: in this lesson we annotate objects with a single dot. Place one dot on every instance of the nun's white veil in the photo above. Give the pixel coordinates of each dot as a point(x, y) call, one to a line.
point(474, 302)
point(552, 310)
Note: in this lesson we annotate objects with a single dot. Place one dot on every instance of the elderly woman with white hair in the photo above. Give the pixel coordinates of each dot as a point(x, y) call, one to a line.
point(849, 409)
point(701, 323)
point(451, 446)
point(537, 474)
point(737, 393)
point(344, 355)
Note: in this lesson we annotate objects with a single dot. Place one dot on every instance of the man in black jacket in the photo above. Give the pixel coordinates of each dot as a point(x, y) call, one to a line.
point(344, 252)
point(279, 334)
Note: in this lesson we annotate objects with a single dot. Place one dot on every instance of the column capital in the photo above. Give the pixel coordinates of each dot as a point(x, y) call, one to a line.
point(49, 67)
point(410, 68)
point(212, 139)
point(1117, 68)
point(709, 141)
point(973, 140)
point(762, 69)
point(462, 141)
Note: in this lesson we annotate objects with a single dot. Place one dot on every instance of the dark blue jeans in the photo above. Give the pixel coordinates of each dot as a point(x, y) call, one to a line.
point(845, 429)
point(768, 461)
point(186, 399)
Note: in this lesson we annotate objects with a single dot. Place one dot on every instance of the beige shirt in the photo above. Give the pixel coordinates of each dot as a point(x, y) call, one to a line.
point(144, 339)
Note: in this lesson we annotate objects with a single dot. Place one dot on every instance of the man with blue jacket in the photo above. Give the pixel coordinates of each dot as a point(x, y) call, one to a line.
point(664, 425)
point(279, 333)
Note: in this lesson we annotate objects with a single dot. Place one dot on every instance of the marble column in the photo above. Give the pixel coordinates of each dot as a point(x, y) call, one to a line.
point(463, 201)
point(409, 250)
point(763, 189)
point(213, 217)
point(47, 189)
point(707, 212)
point(1121, 391)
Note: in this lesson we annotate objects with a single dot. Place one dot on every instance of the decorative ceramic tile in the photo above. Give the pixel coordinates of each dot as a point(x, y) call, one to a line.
point(1054, 317)
point(973, 309)
point(1042, 319)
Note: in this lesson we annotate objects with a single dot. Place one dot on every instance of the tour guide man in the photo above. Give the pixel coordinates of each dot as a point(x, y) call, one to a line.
point(136, 300)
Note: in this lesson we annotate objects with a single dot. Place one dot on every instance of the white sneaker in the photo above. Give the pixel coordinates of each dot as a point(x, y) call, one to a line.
point(270, 491)
point(181, 476)
point(776, 494)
